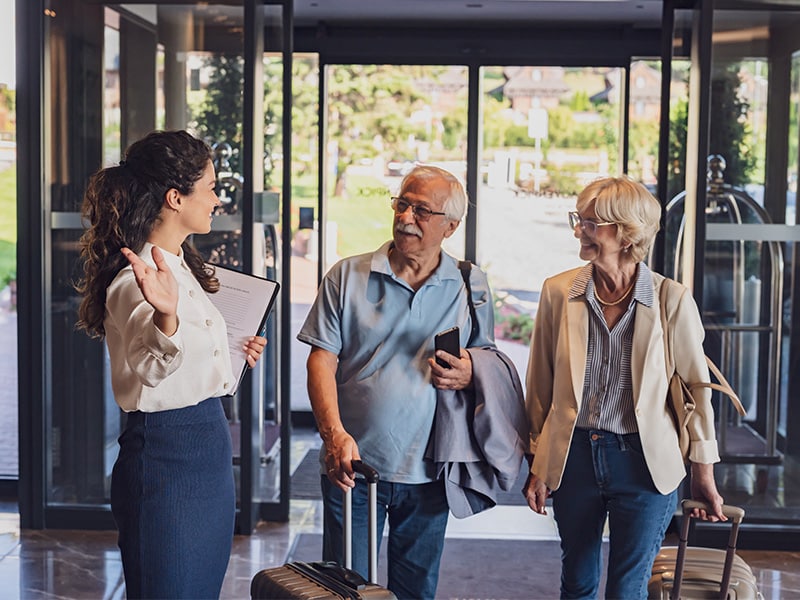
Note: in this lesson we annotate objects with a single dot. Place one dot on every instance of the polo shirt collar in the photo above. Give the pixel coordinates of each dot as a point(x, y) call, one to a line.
point(447, 269)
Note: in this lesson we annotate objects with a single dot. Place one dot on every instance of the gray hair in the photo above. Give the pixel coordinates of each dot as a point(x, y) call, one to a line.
point(455, 205)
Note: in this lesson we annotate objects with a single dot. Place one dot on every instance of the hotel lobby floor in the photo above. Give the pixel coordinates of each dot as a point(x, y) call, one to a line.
point(85, 564)
point(66, 564)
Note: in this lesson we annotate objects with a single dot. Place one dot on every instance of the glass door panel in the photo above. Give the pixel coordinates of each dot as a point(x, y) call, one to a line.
point(748, 273)
point(248, 156)
point(83, 421)
point(743, 275)
point(747, 267)
point(214, 92)
point(132, 69)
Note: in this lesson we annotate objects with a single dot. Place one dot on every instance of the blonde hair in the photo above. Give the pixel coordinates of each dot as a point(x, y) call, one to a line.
point(627, 203)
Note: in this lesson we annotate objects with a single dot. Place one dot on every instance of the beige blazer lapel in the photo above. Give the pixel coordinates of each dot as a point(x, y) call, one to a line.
point(578, 328)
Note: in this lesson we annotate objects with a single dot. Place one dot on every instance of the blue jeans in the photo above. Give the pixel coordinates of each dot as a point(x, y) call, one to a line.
point(417, 522)
point(606, 474)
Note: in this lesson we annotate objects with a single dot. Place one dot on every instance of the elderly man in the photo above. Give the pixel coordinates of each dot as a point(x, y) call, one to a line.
point(372, 377)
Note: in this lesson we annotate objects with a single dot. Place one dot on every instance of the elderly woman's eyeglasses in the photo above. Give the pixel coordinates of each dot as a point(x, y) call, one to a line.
point(589, 226)
point(421, 213)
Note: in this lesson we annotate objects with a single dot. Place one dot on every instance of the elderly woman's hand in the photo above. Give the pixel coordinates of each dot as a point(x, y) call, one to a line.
point(457, 377)
point(536, 493)
point(704, 489)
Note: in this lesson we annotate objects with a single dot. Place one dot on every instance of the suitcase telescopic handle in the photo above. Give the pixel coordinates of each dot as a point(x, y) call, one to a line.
point(369, 473)
point(372, 476)
point(735, 514)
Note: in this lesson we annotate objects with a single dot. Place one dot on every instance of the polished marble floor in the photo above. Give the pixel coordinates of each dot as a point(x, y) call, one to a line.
point(86, 565)
point(58, 564)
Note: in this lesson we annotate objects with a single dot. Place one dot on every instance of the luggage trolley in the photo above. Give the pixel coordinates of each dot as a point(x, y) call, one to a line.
point(742, 313)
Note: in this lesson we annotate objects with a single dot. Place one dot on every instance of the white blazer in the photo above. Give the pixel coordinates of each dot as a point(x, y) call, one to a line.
point(556, 371)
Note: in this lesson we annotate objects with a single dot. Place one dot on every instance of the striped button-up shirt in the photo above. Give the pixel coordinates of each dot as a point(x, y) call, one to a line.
point(607, 402)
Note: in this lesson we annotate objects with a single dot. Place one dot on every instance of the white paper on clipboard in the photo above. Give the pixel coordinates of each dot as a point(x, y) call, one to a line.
point(244, 301)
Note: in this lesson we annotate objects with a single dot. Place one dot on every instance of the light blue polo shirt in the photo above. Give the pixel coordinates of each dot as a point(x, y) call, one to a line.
point(382, 331)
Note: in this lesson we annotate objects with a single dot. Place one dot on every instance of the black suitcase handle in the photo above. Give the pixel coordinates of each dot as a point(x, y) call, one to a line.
point(369, 472)
point(735, 514)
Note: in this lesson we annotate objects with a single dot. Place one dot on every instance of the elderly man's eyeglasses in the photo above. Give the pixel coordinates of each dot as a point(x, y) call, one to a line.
point(589, 226)
point(421, 213)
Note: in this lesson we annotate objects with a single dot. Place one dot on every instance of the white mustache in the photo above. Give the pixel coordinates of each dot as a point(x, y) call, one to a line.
point(408, 228)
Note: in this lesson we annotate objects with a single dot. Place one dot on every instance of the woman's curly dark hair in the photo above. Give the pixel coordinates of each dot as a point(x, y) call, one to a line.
point(122, 204)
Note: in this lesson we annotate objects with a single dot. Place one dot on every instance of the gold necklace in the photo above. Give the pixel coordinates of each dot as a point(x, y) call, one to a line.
point(618, 300)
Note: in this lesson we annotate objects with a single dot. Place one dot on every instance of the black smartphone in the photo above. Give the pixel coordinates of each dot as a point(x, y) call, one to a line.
point(449, 341)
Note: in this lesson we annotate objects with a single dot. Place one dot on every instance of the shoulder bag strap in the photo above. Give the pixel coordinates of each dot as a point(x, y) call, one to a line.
point(662, 305)
point(723, 385)
point(465, 267)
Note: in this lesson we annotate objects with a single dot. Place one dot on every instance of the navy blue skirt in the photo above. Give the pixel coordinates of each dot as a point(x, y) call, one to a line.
point(174, 501)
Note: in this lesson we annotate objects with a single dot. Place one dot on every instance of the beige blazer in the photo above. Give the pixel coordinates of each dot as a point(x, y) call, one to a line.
point(556, 371)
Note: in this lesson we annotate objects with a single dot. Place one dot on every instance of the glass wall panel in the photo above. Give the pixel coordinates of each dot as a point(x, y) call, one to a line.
point(546, 133)
point(111, 90)
point(791, 247)
point(305, 220)
point(9, 448)
point(794, 141)
point(644, 112)
point(381, 121)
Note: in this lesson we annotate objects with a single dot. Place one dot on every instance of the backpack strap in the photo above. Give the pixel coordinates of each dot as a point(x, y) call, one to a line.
point(465, 267)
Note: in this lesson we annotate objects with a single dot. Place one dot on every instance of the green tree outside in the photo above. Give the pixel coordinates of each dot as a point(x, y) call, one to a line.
point(8, 225)
point(730, 133)
point(219, 116)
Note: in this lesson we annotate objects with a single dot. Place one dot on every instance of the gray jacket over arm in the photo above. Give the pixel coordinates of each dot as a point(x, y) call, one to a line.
point(480, 434)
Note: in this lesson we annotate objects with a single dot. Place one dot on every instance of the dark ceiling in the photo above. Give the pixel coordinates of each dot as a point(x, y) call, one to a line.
point(537, 13)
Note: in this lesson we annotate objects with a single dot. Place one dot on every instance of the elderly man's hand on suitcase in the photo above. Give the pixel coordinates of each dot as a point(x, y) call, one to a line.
point(340, 450)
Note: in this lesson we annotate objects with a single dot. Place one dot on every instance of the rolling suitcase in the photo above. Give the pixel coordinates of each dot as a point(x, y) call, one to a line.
point(681, 572)
point(322, 580)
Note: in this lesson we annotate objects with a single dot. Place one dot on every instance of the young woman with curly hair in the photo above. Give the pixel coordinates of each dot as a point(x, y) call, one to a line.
point(144, 290)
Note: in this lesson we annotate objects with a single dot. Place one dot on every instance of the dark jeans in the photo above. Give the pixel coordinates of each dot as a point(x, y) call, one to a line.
point(417, 522)
point(606, 475)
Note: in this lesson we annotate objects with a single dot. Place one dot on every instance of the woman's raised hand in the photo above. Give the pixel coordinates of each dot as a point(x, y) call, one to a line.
point(159, 288)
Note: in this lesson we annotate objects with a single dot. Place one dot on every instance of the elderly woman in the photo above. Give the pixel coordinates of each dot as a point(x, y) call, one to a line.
point(603, 441)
